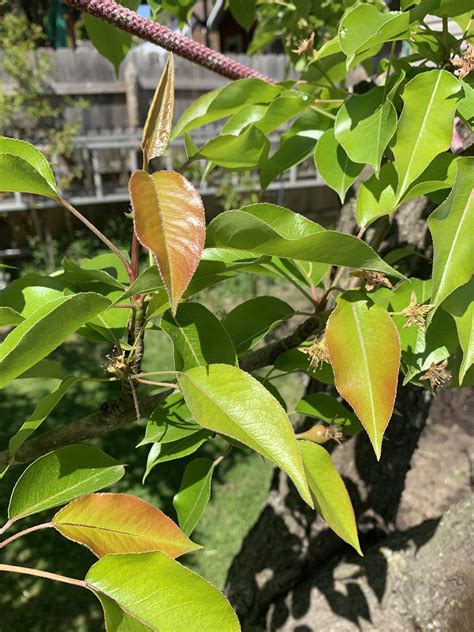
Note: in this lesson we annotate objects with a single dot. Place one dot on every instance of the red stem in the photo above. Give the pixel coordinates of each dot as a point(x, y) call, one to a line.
point(129, 21)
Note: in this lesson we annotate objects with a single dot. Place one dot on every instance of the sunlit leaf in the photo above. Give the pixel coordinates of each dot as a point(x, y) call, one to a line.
point(323, 406)
point(452, 228)
point(266, 229)
point(194, 493)
point(169, 221)
point(174, 450)
point(45, 330)
point(23, 168)
point(157, 130)
point(238, 153)
point(61, 476)
point(426, 125)
point(198, 337)
point(156, 591)
point(366, 376)
point(120, 523)
point(460, 304)
point(333, 164)
point(330, 496)
point(364, 126)
point(229, 401)
point(171, 420)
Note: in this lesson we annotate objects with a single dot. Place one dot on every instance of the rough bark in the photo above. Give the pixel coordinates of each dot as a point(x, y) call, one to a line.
point(288, 543)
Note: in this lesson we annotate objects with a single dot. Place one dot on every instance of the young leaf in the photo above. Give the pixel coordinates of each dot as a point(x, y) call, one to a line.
point(194, 493)
point(224, 102)
point(198, 337)
point(265, 229)
point(238, 153)
point(120, 523)
point(366, 377)
point(229, 401)
point(333, 164)
point(153, 590)
point(10, 317)
point(170, 421)
point(291, 152)
point(171, 451)
point(247, 323)
point(30, 292)
point(460, 304)
point(452, 228)
point(365, 28)
point(45, 330)
point(377, 195)
point(169, 221)
point(426, 125)
point(111, 42)
point(157, 130)
point(60, 476)
point(23, 168)
point(330, 496)
point(364, 126)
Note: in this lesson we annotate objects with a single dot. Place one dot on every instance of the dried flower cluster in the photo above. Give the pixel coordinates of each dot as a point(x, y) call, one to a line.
point(416, 313)
point(317, 352)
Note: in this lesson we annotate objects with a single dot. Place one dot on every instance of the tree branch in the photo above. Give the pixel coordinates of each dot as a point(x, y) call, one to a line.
point(129, 21)
point(268, 354)
point(111, 416)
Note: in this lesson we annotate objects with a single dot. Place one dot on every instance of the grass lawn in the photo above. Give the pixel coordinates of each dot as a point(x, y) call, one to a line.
point(239, 489)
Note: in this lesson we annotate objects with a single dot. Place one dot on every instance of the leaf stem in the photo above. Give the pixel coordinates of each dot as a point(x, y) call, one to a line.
point(6, 526)
point(151, 373)
point(222, 456)
point(36, 527)
point(98, 234)
point(290, 280)
point(8, 568)
point(389, 67)
point(153, 383)
point(323, 112)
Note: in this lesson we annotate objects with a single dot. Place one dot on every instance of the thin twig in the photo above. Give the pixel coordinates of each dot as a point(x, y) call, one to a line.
point(98, 234)
point(8, 568)
point(20, 534)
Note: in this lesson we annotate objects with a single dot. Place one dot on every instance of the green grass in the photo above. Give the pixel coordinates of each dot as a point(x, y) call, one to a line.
point(239, 488)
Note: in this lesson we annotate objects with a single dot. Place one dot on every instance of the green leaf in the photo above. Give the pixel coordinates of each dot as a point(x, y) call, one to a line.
point(364, 126)
point(323, 406)
point(296, 360)
point(157, 129)
point(266, 229)
point(440, 174)
point(194, 493)
point(460, 304)
point(111, 42)
point(164, 452)
point(364, 28)
point(229, 401)
point(45, 330)
point(250, 321)
point(236, 152)
point(44, 368)
point(42, 410)
point(333, 164)
point(188, 602)
point(30, 292)
point(367, 376)
point(170, 421)
point(87, 278)
point(10, 317)
point(426, 125)
point(330, 496)
point(120, 523)
point(224, 102)
point(377, 196)
point(242, 118)
point(284, 107)
point(452, 227)
point(198, 337)
point(465, 106)
point(110, 263)
point(328, 64)
point(23, 168)
point(61, 476)
point(116, 619)
point(243, 12)
point(291, 152)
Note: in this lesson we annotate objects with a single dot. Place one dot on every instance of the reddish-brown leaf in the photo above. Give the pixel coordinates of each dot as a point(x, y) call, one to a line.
point(120, 523)
point(157, 130)
point(169, 221)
